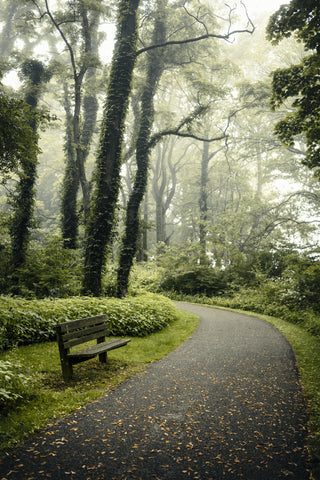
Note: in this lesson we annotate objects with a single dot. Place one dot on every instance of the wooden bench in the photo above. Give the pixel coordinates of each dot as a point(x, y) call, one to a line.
point(77, 332)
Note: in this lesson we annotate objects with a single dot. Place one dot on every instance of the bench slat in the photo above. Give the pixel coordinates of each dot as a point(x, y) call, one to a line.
point(100, 330)
point(82, 322)
point(99, 348)
point(79, 341)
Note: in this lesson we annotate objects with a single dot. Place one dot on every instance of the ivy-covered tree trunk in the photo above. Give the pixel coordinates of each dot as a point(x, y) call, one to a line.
point(35, 75)
point(79, 131)
point(144, 256)
point(69, 214)
point(107, 172)
point(154, 71)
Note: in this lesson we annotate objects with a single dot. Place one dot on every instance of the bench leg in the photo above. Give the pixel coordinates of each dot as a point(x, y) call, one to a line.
point(103, 357)
point(67, 371)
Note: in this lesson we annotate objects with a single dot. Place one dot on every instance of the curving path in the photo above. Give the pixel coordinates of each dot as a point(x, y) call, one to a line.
point(225, 405)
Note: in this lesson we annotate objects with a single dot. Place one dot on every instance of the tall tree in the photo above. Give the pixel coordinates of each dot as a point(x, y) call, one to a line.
point(301, 81)
point(155, 67)
point(107, 172)
point(77, 25)
point(35, 75)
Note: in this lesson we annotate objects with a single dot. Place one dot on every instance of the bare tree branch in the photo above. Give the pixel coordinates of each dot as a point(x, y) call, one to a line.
point(196, 39)
point(186, 134)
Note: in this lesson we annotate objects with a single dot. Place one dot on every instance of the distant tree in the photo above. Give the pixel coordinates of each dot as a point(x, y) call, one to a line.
point(195, 28)
point(8, 34)
point(301, 81)
point(165, 168)
point(76, 24)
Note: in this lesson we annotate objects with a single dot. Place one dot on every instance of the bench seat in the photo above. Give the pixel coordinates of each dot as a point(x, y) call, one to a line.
point(94, 350)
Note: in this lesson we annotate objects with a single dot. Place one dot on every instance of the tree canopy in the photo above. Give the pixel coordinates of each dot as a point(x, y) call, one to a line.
point(300, 82)
point(17, 139)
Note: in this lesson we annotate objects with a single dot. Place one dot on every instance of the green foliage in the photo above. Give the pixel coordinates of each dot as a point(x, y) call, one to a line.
point(182, 273)
point(139, 316)
point(18, 142)
point(50, 271)
point(298, 18)
point(178, 257)
point(145, 277)
point(300, 82)
point(14, 384)
point(33, 321)
point(303, 277)
point(200, 280)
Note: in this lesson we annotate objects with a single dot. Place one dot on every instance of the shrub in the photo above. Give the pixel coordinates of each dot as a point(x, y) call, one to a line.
point(199, 280)
point(51, 271)
point(145, 277)
point(14, 384)
point(31, 321)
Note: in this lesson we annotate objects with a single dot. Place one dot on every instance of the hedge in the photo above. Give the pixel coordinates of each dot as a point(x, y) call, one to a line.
point(33, 321)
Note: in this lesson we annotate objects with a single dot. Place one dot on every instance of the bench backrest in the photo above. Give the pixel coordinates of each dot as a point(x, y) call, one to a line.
point(80, 331)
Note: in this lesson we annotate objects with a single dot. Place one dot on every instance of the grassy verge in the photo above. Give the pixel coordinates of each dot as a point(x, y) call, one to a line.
point(50, 397)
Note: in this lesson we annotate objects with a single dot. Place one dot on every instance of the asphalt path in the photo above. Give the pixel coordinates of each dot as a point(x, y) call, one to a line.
point(225, 405)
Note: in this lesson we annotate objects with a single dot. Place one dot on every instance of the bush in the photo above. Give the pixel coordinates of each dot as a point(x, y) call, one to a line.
point(14, 384)
point(33, 321)
point(199, 280)
point(145, 277)
point(51, 271)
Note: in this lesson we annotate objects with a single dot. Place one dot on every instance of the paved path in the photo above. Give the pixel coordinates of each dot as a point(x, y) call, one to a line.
point(225, 405)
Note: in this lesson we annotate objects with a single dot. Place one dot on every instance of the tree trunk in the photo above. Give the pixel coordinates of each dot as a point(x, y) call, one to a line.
point(78, 138)
point(107, 174)
point(160, 221)
point(154, 72)
point(145, 229)
point(142, 254)
point(203, 202)
point(69, 214)
point(80, 158)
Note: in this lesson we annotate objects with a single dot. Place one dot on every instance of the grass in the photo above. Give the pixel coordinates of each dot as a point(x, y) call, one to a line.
point(50, 398)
